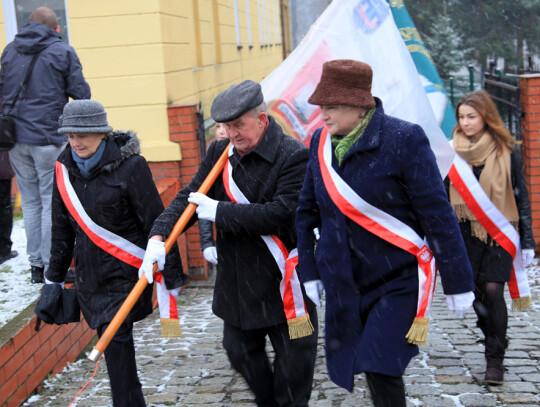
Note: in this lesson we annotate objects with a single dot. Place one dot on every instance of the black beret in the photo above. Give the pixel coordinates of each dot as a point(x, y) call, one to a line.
point(236, 100)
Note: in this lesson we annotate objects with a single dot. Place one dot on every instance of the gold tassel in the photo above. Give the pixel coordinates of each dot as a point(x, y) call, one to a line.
point(300, 327)
point(170, 328)
point(417, 335)
point(521, 304)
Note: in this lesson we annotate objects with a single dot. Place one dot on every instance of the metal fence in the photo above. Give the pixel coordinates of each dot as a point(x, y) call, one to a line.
point(505, 93)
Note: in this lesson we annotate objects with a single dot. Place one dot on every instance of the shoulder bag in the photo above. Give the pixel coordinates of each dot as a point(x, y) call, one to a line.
point(7, 124)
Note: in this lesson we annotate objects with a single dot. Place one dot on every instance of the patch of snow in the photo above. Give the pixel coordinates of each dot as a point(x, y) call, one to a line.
point(16, 290)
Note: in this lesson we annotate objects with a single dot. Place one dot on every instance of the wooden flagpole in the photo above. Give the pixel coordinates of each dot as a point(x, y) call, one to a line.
point(137, 291)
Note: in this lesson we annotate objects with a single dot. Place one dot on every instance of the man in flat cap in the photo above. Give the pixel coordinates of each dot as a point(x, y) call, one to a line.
point(253, 203)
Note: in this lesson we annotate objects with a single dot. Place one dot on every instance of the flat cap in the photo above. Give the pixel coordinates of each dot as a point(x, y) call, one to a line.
point(236, 100)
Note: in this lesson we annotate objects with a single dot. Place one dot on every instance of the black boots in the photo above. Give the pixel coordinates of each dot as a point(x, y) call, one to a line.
point(494, 374)
point(37, 275)
point(9, 255)
point(495, 350)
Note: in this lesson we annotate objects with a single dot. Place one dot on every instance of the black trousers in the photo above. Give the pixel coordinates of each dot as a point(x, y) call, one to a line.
point(289, 381)
point(126, 388)
point(6, 217)
point(386, 391)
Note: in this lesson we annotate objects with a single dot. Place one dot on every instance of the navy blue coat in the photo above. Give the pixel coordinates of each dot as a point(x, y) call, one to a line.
point(371, 285)
point(57, 75)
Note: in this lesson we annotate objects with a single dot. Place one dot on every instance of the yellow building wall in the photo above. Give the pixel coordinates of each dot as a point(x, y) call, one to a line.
point(211, 67)
point(141, 55)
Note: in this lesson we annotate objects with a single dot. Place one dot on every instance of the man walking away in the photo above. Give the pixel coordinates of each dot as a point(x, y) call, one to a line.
point(56, 76)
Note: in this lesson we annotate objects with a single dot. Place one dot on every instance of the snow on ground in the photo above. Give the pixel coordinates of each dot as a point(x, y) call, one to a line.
point(17, 292)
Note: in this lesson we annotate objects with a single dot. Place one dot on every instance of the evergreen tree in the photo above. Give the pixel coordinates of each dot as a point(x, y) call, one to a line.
point(492, 29)
point(446, 47)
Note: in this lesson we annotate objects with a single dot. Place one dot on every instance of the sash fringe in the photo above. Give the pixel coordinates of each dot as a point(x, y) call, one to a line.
point(300, 327)
point(417, 335)
point(170, 328)
point(521, 304)
point(463, 213)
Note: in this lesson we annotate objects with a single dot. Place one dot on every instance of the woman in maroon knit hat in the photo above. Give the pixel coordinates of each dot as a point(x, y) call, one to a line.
point(372, 184)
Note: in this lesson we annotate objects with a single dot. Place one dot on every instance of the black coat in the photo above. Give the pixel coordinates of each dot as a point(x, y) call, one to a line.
point(206, 233)
point(120, 195)
point(247, 292)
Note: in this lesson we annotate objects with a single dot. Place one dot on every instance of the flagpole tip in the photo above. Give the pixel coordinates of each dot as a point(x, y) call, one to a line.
point(94, 355)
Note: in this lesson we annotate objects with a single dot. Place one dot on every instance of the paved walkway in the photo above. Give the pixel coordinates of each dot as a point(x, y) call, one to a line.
point(194, 371)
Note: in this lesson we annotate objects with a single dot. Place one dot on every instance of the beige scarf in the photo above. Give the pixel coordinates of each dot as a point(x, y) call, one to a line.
point(494, 179)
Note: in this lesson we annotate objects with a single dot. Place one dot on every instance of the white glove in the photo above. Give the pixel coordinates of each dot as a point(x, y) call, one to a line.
point(206, 207)
point(460, 303)
point(314, 290)
point(210, 254)
point(175, 291)
point(155, 253)
point(527, 257)
point(52, 282)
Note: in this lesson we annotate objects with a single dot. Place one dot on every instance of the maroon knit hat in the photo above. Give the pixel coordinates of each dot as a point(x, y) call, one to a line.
point(344, 82)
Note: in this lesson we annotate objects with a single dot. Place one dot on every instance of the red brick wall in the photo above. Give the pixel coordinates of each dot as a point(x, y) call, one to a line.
point(168, 188)
point(29, 356)
point(183, 130)
point(530, 105)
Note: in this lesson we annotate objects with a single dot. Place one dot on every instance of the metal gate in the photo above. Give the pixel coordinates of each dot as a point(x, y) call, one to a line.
point(505, 94)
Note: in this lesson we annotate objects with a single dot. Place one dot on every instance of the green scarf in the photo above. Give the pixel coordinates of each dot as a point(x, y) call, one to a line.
point(343, 144)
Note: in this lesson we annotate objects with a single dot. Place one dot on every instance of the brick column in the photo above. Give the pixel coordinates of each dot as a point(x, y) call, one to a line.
point(183, 130)
point(530, 124)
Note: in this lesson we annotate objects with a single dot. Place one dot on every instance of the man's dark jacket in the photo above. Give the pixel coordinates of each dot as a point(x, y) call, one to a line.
point(56, 76)
point(246, 292)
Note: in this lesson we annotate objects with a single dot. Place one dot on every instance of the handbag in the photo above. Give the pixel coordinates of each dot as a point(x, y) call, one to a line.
point(58, 305)
point(7, 123)
point(7, 132)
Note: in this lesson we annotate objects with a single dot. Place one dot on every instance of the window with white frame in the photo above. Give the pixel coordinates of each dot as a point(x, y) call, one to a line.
point(17, 14)
point(269, 22)
point(248, 18)
point(237, 25)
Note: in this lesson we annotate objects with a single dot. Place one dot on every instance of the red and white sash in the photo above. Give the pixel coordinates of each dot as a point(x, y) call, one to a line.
point(386, 227)
point(496, 225)
point(118, 247)
point(290, 288)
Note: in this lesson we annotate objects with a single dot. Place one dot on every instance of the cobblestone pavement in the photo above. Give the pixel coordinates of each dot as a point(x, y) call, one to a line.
point(194, 371)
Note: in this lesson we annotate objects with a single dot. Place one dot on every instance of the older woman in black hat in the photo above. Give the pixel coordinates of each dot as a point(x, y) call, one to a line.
point(104, 204)
point(374, 192)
